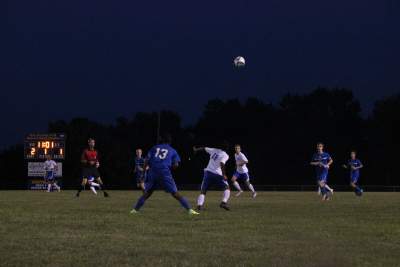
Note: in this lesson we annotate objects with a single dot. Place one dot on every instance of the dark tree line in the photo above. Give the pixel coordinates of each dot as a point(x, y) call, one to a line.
point(278, 139)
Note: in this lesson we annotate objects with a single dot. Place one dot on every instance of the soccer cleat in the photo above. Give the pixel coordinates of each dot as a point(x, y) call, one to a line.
point(192, 212)
point(134, 211)
point(239, 193)
point(224, 206)
point(106, 194)
point(254, 194)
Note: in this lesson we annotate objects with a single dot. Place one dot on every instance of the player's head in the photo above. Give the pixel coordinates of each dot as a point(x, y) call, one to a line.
point(353, 154)
point(320, 147)
point(48, 157)
point(238, 148)
point(139, 152)
point(165, 139)
point(91, 142)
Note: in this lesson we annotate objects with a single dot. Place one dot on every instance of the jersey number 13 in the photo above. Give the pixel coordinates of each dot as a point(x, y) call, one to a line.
point(161, 153)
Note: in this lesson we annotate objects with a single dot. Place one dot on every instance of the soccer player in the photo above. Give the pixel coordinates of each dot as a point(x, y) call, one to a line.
point(139, 171)
point(160, 159)
point(50, 167)
point(214, 174)
point(322, 162)
point(354, 165)
point(241, 173)
point(90, 164)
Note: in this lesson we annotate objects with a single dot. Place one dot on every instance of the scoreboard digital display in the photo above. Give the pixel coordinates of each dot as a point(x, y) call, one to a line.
point(38, 146)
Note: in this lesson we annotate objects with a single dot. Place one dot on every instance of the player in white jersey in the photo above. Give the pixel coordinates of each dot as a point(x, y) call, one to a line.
point(242, 172)
point(50, 168)
point(214, 174)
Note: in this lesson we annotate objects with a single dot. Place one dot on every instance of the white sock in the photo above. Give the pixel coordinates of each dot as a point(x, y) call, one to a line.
point(48, 187)
point(327, 187)
point(226, 195)
point(200, 200)
point(251, 188)
point(93, 189)
point(56, 186)
point(95, 184)
point(237, 186)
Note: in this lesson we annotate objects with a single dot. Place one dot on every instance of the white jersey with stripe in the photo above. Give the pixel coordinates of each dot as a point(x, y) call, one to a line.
point(50, 165)
point(217, 156)
point(240, 159)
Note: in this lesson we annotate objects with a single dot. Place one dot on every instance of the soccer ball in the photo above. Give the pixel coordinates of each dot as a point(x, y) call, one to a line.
point(239, 61)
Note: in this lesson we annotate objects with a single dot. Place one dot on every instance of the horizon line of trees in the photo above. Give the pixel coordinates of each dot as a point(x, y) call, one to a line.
point(279, 140)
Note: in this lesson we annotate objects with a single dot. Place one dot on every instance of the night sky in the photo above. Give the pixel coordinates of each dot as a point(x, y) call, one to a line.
point(102, 59)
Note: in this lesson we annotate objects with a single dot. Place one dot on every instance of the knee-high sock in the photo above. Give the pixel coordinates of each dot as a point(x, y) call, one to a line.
point(184, 203)
point(81, 187)
point(251, 188)
point(200, 200)
point(226, 195)
point(48, 187)
point(56, 186)
point(140, 202)
point(93, 190)
point(237, 186)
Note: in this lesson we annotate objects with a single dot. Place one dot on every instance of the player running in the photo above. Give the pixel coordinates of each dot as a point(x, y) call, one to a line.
point(322, 162)
point(241, 173)
point(50, 167)
point(215, 174)
point(354, 165)
point(90, 164)
point(139, 170)
point(161, 158)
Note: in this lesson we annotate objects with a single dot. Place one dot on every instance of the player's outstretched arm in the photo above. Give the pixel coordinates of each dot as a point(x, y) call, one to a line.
point(315, 163)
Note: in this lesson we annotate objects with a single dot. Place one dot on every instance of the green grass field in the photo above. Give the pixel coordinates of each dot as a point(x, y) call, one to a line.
point(275, 229)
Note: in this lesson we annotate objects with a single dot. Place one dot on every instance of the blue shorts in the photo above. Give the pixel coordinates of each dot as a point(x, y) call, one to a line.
point(160, 179)
point(322, 176)
point(354, 178)
point(140, 177)
point(49, 175)
point(242, 176)
point(210, 179)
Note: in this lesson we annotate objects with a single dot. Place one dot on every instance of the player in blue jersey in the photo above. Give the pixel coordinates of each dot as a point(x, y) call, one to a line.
point(139, 170)
point(354, 165)
point(160, 159)
point(322, 162)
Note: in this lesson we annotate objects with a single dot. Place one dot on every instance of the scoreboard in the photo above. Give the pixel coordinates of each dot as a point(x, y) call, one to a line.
point(38, 146)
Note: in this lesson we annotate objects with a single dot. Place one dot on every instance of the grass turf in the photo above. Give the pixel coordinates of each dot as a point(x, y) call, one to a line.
point(275, 229)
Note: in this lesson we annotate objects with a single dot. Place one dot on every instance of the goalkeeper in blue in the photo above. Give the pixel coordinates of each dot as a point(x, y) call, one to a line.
point(160, 159)
point(354, 165)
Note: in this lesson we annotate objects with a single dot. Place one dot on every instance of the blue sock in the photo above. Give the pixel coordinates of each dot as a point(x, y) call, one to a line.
point(140, 203)
point(184, 203)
